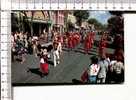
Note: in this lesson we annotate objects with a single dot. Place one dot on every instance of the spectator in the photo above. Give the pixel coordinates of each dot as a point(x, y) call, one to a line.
point(103, 63)
point(93, 70)
point(119, 72)
point(119, 54)
point(30, 46)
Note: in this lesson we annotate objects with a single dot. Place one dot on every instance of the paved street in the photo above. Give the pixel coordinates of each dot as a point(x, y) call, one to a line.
point(71, 67)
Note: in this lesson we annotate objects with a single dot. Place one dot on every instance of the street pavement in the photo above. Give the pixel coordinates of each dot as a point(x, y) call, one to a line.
point(72, 65)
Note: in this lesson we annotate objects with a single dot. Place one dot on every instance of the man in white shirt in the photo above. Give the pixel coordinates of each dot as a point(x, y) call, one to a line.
point(56, 56)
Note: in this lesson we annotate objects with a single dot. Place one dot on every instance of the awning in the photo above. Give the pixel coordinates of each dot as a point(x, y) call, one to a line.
point(40, 21)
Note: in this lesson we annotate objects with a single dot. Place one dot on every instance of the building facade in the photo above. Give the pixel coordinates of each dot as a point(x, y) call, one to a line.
point(57, 18)
point(33, 22)
point(37, 22)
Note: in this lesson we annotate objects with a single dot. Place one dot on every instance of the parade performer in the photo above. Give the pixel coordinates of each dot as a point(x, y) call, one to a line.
point(74, 40)
point(102, 46)
point(70, 44)
point(77, 38)
point(91, 35)
point(65, 41)
point(87, 44)
point(56, 56)
point(34, 41)
point(44, 66)
point(60, 43)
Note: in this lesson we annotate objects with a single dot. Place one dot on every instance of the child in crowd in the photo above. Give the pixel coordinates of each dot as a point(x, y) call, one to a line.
point(93, 70)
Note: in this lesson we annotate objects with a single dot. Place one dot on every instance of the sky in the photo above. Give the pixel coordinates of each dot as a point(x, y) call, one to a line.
point(101, 16)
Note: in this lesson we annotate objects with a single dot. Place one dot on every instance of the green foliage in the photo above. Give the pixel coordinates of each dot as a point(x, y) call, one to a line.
point(81, 16)
point(97, 24)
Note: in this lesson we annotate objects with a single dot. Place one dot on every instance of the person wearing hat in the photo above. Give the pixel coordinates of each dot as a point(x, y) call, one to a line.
point(56, 56)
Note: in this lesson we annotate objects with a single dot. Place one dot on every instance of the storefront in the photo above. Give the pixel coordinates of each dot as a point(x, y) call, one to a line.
point(58, 28)
point(40, 26)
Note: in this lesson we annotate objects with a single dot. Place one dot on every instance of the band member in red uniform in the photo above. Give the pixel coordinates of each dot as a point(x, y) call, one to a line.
point(70, 44)
point(87, 44)
point(91, 42)
point(74, 42)
point(77, 38)
point(65, 41)
point(102, 46)
point(92, 36)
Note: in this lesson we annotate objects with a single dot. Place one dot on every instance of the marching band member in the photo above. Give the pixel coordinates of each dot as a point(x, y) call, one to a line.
point(102, 46)
point(65, 41)
point(70, 44)
point(60, 42)
point(87, 44)
point(35, 50)
point(91, 39)
point(73, 40)
point(56, 56)
point(78, 38)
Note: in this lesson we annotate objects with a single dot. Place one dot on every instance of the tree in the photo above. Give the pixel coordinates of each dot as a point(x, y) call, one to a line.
point(92, 21)
point(96, 23)
point(116, 22)
point(81, 16)
point(115, 25)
